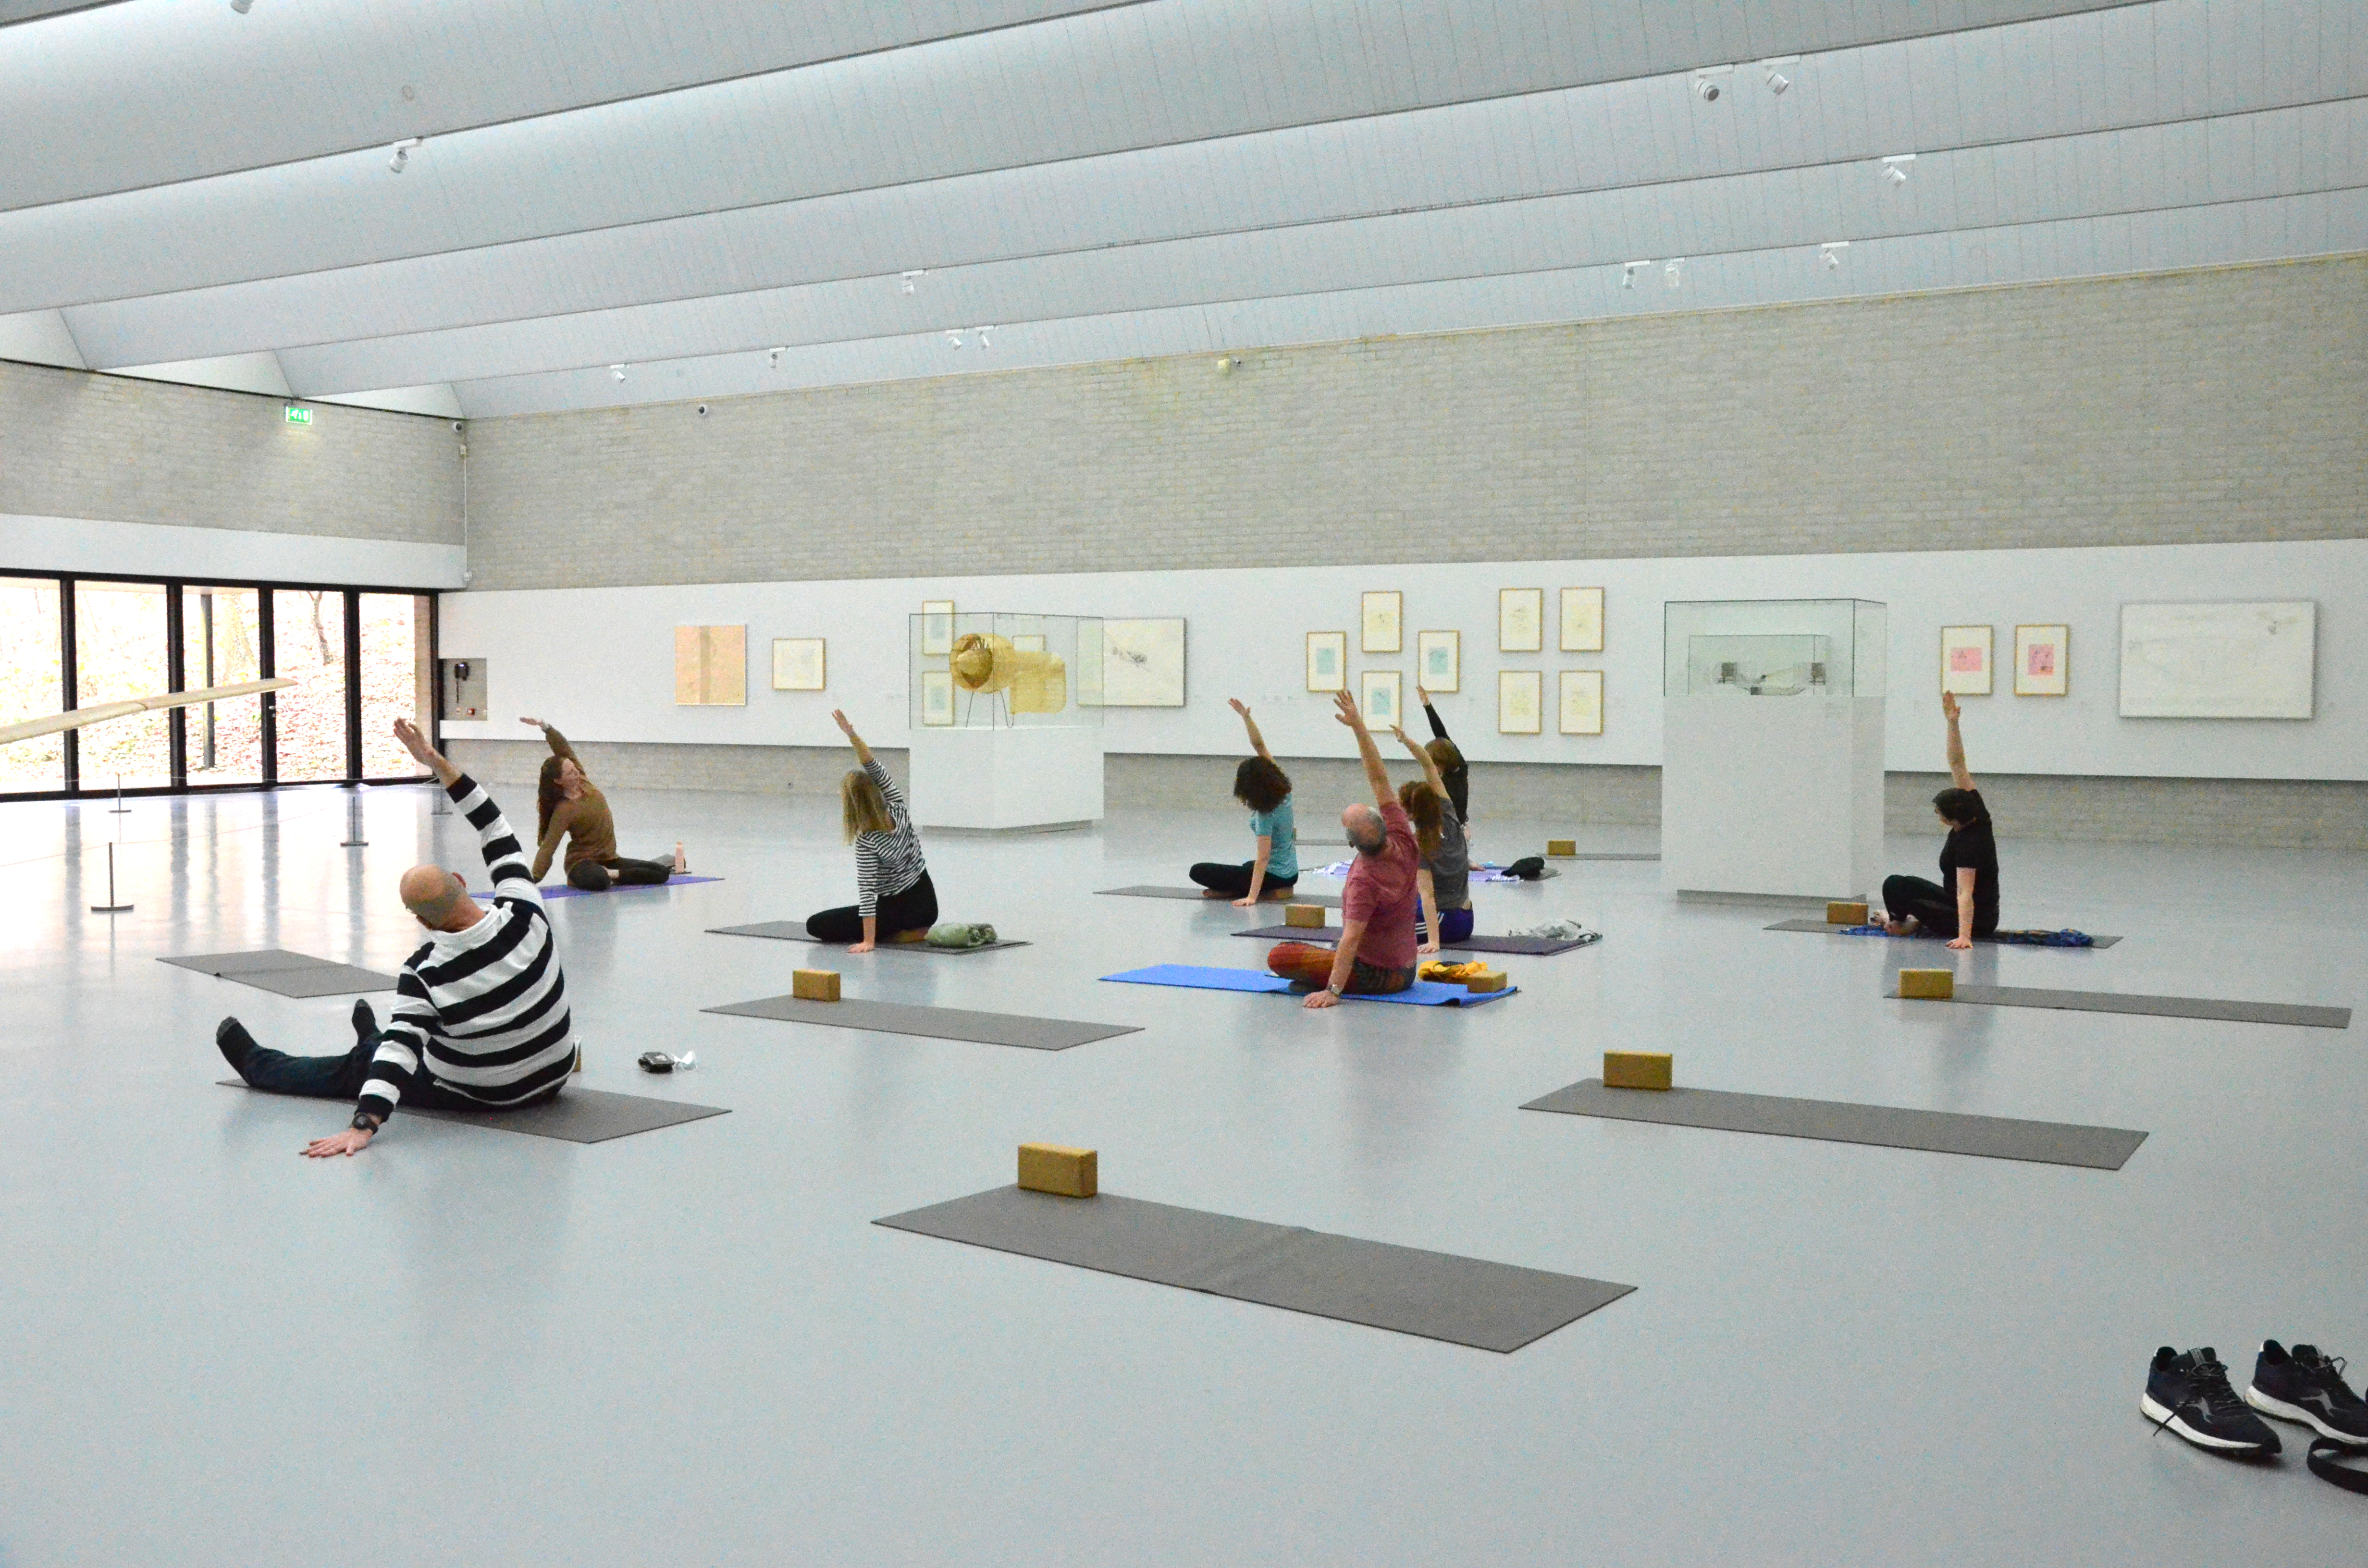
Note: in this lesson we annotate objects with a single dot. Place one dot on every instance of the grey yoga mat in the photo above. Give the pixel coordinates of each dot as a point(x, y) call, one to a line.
point(931, 1023)
point(1838, 1122)
point(285, 973)
point(1328, 900)
point(2094, 940)
point(1327, 936)
point(2156, 1006)
point(796, 931)
point(577, 1115)
point(1437, 1295)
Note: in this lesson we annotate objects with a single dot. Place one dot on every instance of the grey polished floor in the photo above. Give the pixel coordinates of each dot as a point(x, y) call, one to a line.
point(692, 1347)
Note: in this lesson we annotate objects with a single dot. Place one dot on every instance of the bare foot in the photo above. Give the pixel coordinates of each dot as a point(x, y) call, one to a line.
point(680, 865)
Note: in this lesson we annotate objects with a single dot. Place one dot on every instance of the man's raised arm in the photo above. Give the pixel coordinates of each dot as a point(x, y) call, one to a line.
point(505, 859)
point(1375, 774)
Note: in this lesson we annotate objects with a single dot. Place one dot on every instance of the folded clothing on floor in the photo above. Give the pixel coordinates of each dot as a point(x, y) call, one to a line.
point(1561, 931)
point(2068, 937)
point(962, 934)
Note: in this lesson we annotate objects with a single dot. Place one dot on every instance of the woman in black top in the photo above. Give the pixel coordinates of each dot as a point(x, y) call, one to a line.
point(1453, 770)
point(1967, 906)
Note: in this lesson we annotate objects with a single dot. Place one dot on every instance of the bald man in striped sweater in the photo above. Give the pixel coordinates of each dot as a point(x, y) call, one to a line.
point(480, 1018)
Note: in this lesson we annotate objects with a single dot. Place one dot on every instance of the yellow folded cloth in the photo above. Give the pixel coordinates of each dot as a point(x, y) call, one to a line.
point(1452, 973)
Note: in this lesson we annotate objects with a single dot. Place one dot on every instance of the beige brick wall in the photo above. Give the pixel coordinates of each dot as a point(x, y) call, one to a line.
point(78, 444)
point(2217, 405)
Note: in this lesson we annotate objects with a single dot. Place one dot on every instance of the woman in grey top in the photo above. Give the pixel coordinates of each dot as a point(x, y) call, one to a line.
point(1445, 873)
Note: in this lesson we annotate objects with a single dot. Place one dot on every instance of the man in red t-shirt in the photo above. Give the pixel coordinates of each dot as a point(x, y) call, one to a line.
point(1376, 954)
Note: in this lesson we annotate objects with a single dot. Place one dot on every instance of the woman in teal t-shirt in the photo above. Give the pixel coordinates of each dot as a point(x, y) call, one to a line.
point(1261, 785)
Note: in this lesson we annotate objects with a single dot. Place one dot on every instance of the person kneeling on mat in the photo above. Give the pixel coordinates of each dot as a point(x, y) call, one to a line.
point(568, 805)
point(1376, 954)
point(895, 899)
point(1444, 873)
point(1260, 784)
point(480, 1020)
point(1969, 859)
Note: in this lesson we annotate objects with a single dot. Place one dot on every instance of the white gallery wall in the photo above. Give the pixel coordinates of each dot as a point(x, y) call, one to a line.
point(599, 661)
point(92, 546)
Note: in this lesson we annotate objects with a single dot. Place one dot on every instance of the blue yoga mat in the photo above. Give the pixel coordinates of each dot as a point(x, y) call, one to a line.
point(1195, 977)
point(564, 891)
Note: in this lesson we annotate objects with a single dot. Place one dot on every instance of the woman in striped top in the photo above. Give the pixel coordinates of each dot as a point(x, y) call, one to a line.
point(895, 899)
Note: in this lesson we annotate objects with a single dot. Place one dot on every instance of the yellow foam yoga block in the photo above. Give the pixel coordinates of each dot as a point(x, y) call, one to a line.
point(1049, 1167)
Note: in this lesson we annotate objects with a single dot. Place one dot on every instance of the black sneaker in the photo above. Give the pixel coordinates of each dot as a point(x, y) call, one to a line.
point(235, 1044)
point(2190, 1395)
point(2302, 1385)
point(365, 1021)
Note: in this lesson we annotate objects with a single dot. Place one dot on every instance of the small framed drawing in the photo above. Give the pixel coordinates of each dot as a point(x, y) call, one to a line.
point(2043, 661)
point(937, 628)
point(1582, 702)
point(936, 696)
point(800, 664)
point(1965, 660)
point(1521, 621)
point(1582, 621)
point(1378, 695)
point(1327, 661)
point(1439, 661)
point(1519, 694)
point(1382, 622)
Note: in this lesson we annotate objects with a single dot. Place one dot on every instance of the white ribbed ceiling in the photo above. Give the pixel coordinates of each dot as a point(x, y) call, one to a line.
point(680, 186)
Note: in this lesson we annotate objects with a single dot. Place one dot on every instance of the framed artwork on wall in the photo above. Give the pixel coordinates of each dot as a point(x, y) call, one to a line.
point(1383, 621)
point(710, 666)
point(1521, 621)
point(937, 626)
point(2220, 660)
point(2043, 661)
point(800, 664)
point(1028, 642)
point(1439, 661)
point(1142, 662)
point(1378, 698)
point(1582, 621)
point(1520, 697)
point(936, 696)
point(1327, 661)
point(1965, 660)
point(1582, 702)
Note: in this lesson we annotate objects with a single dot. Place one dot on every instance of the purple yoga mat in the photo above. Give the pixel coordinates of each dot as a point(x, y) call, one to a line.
point(564, 891)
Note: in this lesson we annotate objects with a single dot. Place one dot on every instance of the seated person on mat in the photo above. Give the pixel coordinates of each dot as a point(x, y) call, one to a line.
point(1968, 907)
point(1453, 769)
point(1445, 876)
point(1376, 952)
point(480, 1020)
point(895, 899)
point(1260, 784)
point(569, 805)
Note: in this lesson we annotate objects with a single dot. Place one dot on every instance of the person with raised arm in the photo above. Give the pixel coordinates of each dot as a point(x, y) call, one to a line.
point(568, 805)
point(895, 901)
point(1453, 771)
point(480, 1020)
point(1260, 784)
point(1966, 904)
point(1444, 875)
point(1376, 955)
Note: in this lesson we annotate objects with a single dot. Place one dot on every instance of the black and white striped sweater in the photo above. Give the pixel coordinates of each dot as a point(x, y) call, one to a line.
point(887, 863)
point(481, 1013)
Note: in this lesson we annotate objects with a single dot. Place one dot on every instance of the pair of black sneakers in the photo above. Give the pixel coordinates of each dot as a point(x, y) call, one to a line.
point(2188, 1394)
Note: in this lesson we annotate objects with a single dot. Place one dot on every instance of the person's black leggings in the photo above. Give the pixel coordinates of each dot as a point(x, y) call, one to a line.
point(915, 909)
point(592, 876)
point(1234, 881)
point(1934, 910)
point(339, 1077)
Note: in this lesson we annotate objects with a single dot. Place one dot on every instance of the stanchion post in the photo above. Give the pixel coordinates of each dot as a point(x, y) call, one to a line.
point(110, 906)
point(354, 839)
point(119, 806)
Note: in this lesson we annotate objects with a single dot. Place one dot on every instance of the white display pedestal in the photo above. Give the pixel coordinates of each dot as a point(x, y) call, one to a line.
point(1049, 776)
point(1772, 795)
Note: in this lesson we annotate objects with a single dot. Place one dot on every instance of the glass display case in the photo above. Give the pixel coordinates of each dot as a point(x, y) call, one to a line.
point(1798, 648)
point(991, 670)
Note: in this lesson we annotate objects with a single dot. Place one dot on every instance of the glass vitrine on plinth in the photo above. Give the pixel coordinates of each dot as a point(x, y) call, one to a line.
point(1006, 732)
point(1771, 746)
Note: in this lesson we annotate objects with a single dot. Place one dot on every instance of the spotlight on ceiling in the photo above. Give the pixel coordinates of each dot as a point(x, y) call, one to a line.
point(1894, 169)
point(982, 336)
point(1628, 270)
point(773, 358)
point(910, 279)
point(617, 372)
point(402, 151)
point(1830, 253)
point(1777, 80)
point(1710, 81)
point(242, 7)
point(1669, 273)
point(954, 340)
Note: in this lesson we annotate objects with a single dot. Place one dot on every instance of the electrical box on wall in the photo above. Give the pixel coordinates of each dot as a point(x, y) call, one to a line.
point(460, 687)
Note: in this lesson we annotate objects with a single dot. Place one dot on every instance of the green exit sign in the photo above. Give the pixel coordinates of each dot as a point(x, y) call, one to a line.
point(298, 416)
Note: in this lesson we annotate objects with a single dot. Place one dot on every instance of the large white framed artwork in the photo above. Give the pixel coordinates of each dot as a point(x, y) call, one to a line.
point(2219, 660)
point(1142, 662)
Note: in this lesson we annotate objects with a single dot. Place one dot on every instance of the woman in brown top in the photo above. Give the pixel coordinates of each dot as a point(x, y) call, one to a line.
point(569, 805)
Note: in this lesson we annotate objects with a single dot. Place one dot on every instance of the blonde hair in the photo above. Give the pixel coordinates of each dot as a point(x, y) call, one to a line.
point(861, 806)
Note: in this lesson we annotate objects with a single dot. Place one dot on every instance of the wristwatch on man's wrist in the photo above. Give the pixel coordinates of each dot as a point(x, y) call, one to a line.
point(365, 1123)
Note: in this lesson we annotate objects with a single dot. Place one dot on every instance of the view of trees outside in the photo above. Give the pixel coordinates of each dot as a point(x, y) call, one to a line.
point(398, 680)
point(221, 632)
point(308, 633)
point(120, 653)
point(31, 681)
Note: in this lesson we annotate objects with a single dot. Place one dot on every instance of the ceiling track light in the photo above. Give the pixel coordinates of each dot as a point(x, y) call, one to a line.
point(402, 151)
point(1894, 168)
point(1830, 253)
point(1629, 269)
point(242, 7)
point(1710, 81)
point(910, 279)
point(1777, 80)
point(982, 336)
point(1669, 273)
point(773, 357)
point(954, 340)
point(617, 372)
